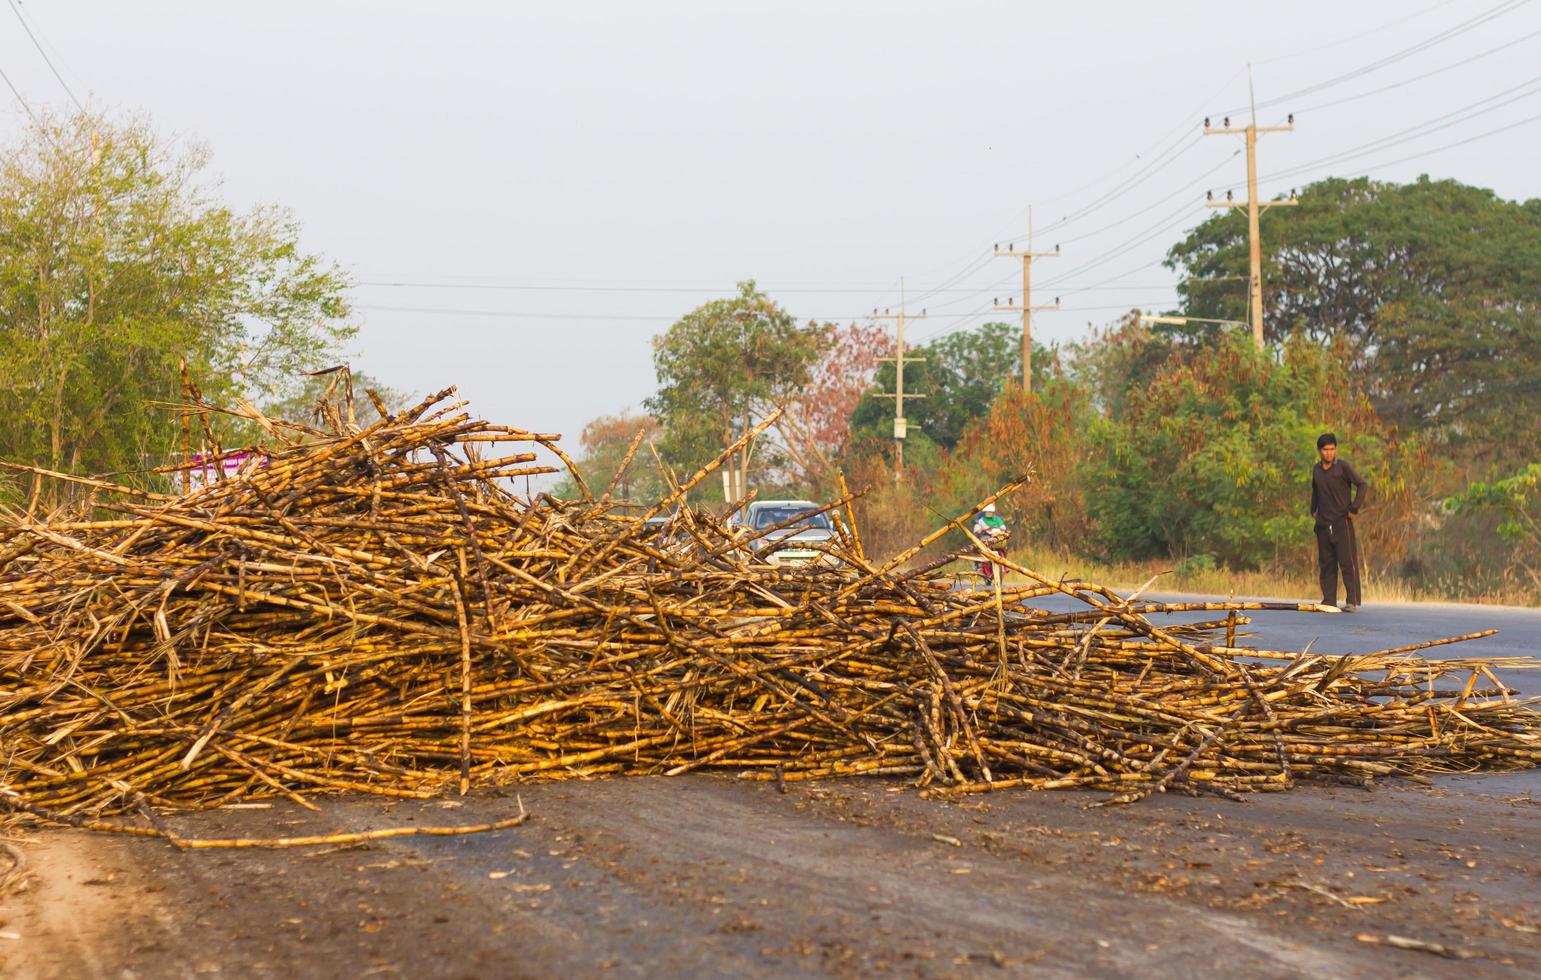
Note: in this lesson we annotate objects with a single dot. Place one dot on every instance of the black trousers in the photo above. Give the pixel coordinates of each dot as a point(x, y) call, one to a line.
point(1337, 550)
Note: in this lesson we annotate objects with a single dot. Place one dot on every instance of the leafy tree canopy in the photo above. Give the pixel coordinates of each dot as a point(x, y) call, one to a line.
point(961, 376)
point(116, 263)
point(722, 367)
point(1213, 457)
point(605, 441)
point(1433, 286)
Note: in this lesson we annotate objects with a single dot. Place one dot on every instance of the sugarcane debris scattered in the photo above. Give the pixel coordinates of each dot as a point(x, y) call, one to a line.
point(377, 609)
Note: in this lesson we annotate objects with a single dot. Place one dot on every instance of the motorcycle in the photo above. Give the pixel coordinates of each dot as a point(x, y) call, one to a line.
point(996, 538)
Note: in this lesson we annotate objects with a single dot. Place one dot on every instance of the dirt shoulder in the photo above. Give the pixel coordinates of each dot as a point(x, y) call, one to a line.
point(717, 876)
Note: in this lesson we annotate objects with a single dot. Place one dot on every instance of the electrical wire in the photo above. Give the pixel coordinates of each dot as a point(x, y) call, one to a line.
point(1169, 140)
point(659, 318)
point(1437, 124)
point(1492, 13)
point(1171, 151)
point(19, 98)
point(531, 287)
point(39, 45)
point(644, 289)
point(1454, 117)
point(1423, 128)
point(1418, 78)
point(1339, 42)
point(1450, 146)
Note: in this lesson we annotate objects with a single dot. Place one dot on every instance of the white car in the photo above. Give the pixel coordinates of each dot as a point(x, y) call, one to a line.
point(802, 542)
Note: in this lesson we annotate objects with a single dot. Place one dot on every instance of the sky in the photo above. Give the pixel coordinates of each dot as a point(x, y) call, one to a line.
point(526, 193)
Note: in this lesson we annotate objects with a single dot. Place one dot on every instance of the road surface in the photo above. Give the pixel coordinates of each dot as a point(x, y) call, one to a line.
point(1379, 626)
point(713, 876)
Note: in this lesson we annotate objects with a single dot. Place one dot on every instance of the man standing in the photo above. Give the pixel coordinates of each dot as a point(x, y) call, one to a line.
point(1337, 493)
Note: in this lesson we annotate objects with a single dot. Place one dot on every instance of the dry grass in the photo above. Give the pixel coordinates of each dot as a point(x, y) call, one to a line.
point(1173, 576)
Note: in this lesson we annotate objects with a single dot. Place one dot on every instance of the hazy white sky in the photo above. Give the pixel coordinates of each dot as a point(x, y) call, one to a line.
point(576, 175)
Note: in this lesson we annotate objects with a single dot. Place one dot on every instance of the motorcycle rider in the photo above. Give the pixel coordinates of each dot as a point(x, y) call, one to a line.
point(992, 530)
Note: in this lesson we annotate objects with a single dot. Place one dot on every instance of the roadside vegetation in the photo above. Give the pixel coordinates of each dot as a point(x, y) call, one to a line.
point(1403, 317)
point(119, 263)
point(1406, 318)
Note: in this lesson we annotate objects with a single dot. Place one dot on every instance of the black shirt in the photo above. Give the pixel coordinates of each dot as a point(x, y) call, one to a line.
point(1336, 493)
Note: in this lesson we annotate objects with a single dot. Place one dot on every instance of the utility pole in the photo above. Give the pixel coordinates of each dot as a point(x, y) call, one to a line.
point(900, 359)
point(1252, 204)
point(1026, 306)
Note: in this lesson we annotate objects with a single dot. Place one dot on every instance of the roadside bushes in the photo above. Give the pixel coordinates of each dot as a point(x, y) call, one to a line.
point(1042, 432)
point(1212, 457)
point(1141, 447)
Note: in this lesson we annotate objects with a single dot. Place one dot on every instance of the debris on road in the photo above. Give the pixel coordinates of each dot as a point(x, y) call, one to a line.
point(373, 609)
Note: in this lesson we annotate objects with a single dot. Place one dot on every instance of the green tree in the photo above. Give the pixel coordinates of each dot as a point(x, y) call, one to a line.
point(1213, 456)
point(1516, 500)
point(724, 366)
point(961, 375)
point(604, 442)
point(1434, 287)
point(116, 263)
point(1041, 433)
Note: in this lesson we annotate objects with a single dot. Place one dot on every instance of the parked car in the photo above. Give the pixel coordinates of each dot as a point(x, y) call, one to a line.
point(801, 542)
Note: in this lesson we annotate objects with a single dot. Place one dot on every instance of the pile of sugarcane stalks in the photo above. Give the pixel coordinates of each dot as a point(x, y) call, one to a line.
point(375, 609)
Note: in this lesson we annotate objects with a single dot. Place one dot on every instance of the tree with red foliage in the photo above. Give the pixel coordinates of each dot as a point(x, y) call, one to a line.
point(815, 429)
point(1041, 433)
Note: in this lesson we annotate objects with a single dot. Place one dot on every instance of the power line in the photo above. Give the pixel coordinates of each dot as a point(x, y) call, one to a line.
point(1447, 34)
point(659, 318)
point(609, 288)
point(1172, 150)
point(1423, 45)
point(1172, 220)
point(1418, 78)
point(1124, 186)
point(30, 114)
point(1453, 118)
point(1492, 13)
point(1430, 126)
point(1155, 204)
point(1339, 42)
point(1449, 146)
point(38, 44)
point(1178, 132)
point(1000, 284)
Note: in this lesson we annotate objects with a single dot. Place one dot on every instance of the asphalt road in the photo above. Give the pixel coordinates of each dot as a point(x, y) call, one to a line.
point(1379, 627)
point(705, 875)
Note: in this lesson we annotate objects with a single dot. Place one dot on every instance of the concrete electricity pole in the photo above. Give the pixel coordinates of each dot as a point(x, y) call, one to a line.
point(1252, 204)
point(1026, 306)
point(900, 359)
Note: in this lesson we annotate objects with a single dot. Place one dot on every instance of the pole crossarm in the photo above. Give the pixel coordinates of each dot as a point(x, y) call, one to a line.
point(1027, 309)
point(1287, 202)
point(899, 395)
point(1242, 130)
point(1253, 205)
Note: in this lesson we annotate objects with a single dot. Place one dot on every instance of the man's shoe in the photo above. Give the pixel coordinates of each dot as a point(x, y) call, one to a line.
point(1350, 607)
